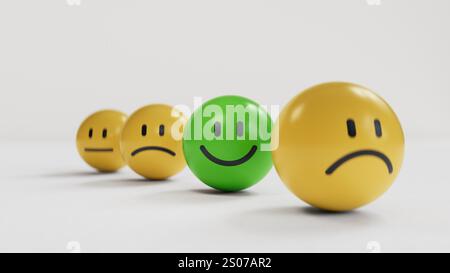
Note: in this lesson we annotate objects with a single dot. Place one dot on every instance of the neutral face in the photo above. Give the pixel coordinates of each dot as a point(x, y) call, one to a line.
point(340, 146)
point(98, 140)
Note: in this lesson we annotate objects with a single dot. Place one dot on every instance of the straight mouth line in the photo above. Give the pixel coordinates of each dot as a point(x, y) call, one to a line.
point(98, 149)
point(350, 156)
point(228, 163)
point(153, 148)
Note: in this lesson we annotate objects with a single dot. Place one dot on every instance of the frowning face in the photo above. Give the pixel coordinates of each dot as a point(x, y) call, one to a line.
point(98, 140)
point(340, 146)
point(148, 142)
point(351, 129)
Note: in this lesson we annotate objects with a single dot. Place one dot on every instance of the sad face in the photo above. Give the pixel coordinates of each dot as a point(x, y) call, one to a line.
point(150, 144)
point(340, 146)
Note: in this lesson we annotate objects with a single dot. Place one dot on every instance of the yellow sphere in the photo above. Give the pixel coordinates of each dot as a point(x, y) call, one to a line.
point(151, 141)
point(340, 146)
point(98, 140)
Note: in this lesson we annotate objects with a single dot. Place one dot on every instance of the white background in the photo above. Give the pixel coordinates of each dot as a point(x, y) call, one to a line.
point(60, 62)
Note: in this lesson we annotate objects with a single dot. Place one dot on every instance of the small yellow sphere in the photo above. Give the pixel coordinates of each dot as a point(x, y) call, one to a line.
point(340, 146)
point(151, 141)
point(98, 140)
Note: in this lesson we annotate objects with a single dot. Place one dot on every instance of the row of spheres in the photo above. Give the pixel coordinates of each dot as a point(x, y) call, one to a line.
point(337, 146)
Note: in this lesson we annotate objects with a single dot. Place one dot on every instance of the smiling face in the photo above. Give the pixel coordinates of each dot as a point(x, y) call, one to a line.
point(223, 141)
point(149, 144)
point(340, 146)
point(98, 140)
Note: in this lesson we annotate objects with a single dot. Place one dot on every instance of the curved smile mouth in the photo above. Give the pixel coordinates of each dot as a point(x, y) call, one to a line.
point(359, 153)
point(98, 150)
point(228, 163)
point(153, 148)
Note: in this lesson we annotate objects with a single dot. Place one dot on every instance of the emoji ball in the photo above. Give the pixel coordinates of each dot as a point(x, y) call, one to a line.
point(151, 141)
point(227, 143)
point(340, 146)
point(98, 140)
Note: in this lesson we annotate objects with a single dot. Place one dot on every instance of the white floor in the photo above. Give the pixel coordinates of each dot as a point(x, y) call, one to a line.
point(51, 202)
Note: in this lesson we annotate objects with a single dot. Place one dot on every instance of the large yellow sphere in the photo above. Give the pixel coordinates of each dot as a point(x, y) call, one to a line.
point(151, 141)
point(98, 140)
point(340, 146)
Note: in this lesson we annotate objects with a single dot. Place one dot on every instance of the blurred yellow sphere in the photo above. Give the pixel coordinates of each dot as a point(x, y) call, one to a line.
point(340, 146)
point(151, 141)
point(98, 140)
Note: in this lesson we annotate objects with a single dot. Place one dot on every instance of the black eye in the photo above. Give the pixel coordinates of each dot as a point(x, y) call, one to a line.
point(104, 133)
point(351, 128)
point(378, 129)
point(240, 129)
point(217, 129)
point(144, 130)
point(161, 130)
point(91, 133)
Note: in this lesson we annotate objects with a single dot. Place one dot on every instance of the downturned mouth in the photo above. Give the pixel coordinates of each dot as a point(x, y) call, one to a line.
point(98, 150)
point(228, 163)
point(153, 148)
point(359, 153)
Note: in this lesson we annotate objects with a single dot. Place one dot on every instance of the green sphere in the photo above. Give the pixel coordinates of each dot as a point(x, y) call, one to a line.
point(226, 143)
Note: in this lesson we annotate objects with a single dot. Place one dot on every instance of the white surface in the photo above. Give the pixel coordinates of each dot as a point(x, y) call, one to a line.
point(48, 197)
